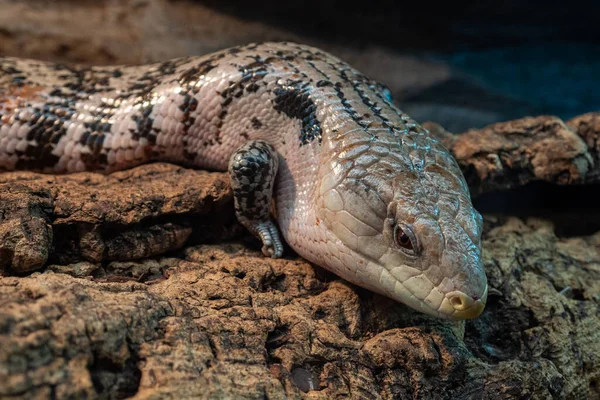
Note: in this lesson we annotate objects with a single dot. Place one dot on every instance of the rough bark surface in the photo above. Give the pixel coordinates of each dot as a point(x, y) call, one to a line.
point(587, 127)
point(510, 154)
point(131, 214)
point(220, 320)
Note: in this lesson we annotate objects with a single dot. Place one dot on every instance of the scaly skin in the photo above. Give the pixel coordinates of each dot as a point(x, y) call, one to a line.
point(361, 188)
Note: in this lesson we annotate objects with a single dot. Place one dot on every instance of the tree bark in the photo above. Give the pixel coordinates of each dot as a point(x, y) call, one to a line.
point(130, 301)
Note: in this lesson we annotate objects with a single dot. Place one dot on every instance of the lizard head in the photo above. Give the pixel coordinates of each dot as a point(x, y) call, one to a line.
point(405, 225)
point(434, 252)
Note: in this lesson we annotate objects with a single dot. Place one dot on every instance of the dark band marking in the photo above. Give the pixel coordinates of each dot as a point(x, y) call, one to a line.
point(293, 99)
point(349, 109)
point(46, 127)
point(356, 82)
point(256, 124)
point(319, 71)
point(252, 74)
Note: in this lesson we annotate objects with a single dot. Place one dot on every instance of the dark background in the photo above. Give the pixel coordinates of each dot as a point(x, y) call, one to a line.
point(509, 58)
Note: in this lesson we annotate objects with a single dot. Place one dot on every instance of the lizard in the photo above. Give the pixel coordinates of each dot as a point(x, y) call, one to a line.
point(358, 186)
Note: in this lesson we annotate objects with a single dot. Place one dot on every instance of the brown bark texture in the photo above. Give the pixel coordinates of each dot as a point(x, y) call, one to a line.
point(141, 284)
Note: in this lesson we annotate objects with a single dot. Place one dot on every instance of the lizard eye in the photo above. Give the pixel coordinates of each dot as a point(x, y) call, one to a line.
point(405, 239)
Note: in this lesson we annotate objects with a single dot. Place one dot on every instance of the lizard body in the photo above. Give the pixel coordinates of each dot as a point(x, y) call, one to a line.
point(360, 188)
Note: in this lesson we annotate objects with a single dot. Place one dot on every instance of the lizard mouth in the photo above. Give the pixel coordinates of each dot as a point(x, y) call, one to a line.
point(455, 305)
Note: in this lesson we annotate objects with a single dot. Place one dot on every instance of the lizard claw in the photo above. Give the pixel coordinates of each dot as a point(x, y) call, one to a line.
point(271, 241)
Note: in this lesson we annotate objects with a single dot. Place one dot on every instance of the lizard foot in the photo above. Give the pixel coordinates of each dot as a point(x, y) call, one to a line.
point(252, 169)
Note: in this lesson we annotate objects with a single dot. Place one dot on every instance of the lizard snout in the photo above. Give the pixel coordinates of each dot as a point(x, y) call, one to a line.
point(465, 306)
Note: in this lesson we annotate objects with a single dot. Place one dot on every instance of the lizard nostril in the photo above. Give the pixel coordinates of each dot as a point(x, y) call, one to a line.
point(456, 301)
point(460, 301)
point(464, 306)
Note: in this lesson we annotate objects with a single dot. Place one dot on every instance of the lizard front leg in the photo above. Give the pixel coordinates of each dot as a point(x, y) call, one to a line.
point(252, 169)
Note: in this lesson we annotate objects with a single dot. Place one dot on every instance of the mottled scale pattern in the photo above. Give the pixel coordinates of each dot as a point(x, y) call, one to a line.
point(350, 165)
